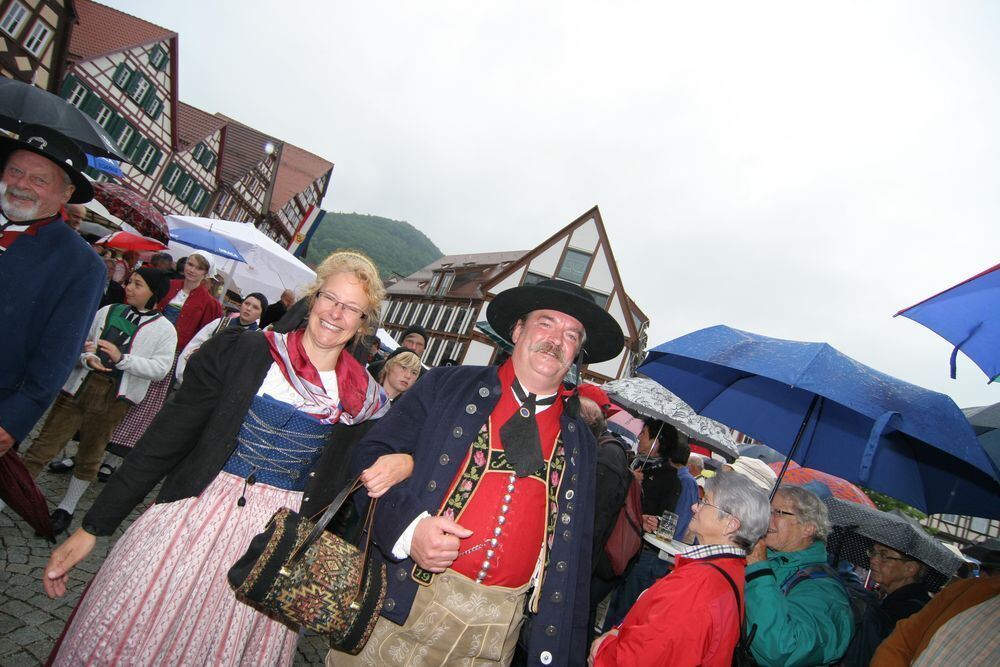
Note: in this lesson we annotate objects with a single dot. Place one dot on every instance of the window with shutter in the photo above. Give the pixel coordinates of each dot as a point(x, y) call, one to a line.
point(186, 188)
point(158, 57)
point(14, 19)
point(92, 105)
point(146, 157)
point(138, 88)
point(126, 134)
point(77, 95)
point(197, 199)
point(170, 177)
point(138, 149)
point(153, 106)
point(39, 38)
point(123, 74)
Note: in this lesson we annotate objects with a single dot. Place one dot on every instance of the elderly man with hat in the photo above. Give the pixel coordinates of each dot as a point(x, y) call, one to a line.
point(51, 281)
point(493, 530)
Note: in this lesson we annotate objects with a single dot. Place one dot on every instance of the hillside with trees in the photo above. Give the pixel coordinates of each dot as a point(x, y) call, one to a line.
point(394, 245)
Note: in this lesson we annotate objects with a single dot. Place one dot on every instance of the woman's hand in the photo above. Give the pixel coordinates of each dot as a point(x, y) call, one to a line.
point(77, 547)
point(596, 646)
point(386, 472)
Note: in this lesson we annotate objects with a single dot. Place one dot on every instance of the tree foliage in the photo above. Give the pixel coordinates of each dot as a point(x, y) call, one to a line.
point(395, 246)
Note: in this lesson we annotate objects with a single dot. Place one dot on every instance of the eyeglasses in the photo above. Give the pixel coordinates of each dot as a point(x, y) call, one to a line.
point(333, 302)
point(780, 513)
point(881, 555)
point(704, 503)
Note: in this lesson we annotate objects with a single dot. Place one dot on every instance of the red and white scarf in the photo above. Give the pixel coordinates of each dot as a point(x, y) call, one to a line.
point(361, 397)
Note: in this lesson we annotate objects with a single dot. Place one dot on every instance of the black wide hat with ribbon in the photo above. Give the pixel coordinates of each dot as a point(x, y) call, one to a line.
point(604, 336)
point(60, 150)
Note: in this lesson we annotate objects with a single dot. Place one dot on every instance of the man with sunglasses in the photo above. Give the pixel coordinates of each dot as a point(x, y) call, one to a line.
point(801, 610)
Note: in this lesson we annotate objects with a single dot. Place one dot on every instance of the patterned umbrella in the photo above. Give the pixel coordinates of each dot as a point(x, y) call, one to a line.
point(125, 203)
point(649, 398)
point(840, 488)
point(856, 527)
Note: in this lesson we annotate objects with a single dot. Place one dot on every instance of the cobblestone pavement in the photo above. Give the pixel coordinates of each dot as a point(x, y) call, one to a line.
point(30, 622)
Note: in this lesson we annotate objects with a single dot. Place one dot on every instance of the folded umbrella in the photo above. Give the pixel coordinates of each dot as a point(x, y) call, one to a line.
point(19, 491)
point(23, 103)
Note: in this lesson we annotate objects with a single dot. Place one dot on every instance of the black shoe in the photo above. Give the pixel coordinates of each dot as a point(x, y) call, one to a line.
point(105, 472)
point(60, 520)
point(62, 465)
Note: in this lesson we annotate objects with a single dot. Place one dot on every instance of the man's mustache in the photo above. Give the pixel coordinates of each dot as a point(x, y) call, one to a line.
point(548, 348)
point(19, 193)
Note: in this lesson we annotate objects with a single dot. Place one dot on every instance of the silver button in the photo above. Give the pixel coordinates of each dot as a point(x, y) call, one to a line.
point(444, 460)
point(570, 494)
point(576, 451)
point(561, 566)
point(567, 535)
point(564, 518)
point(457, 432)
point(484, 392)
point(571, 426)
point(557, 597)
point(551, 631)
point(390, 604)
point(312, 474)
point(431, 485)
point(545, 658)
point(471, 408)
point(401, 574)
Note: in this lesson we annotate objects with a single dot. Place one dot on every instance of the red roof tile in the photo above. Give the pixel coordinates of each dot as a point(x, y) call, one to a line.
point(243, 149)
point(102, 30)
point(297, 170)
point(193, 125)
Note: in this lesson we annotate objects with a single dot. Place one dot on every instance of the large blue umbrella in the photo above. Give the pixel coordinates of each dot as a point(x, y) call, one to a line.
point(830, 412)
point(203, 239)
point(967, 316)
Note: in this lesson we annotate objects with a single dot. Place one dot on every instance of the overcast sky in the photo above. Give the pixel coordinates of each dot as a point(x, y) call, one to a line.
point(797, 169)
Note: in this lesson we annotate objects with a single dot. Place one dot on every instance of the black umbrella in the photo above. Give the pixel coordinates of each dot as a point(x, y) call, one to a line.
point(22, 103)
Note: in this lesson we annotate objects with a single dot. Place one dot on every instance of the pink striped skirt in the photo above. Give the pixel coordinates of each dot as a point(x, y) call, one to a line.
point(162, 597)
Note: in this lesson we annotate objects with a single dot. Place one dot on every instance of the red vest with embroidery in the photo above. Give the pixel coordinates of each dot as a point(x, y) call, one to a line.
point(509, 516)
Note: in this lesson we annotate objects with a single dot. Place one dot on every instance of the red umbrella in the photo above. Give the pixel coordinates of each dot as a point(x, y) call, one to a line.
point(840, 488)
point(125, 203)
point(130, 241)
point(22, 495)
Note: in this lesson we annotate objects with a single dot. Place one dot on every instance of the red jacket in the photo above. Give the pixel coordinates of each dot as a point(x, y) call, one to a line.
point(687, 618)
point(199, 309)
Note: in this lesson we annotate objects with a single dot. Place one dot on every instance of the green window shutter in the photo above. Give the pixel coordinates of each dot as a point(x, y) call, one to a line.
point(121, 79)
point(154, 163)
point(91, 105)
point(130, 142)
point(181, 184)
point(114, 125)
point(138, 148)
point(207, 159)
point(68, 85)
point(168, 173)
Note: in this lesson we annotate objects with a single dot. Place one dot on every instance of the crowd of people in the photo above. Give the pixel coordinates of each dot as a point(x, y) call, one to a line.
point(500, 487)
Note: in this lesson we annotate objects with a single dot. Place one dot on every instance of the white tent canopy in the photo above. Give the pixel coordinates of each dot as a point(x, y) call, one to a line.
point(269, 269)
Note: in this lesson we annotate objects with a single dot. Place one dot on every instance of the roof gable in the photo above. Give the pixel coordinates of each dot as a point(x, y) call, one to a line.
point(102, 30)
point(195, 125)
point(297, 170)
point(243, 149)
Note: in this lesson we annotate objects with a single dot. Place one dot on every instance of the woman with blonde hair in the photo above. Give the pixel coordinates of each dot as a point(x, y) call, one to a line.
point(189, 306)
point(263, 420)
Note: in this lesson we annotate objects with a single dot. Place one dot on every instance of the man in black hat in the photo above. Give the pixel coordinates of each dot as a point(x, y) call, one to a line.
point(414, 339)
point(50, 279)
point(494, 526)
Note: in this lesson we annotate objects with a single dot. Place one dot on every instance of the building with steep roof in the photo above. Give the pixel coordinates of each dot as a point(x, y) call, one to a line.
point(449, 297)
point(123, 72)
point(34, 35)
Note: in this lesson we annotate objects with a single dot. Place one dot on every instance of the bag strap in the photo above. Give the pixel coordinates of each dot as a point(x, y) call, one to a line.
point(327, 517)
point(745, 639)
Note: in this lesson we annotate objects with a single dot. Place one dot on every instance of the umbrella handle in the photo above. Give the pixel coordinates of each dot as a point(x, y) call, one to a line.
point(813, 405)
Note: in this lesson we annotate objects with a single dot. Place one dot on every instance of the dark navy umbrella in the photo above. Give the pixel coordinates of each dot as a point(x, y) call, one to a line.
point(832, 413)
point(967, 316)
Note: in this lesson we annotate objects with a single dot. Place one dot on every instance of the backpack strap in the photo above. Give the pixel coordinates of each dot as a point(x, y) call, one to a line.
point(814, 571)
point(743, 643)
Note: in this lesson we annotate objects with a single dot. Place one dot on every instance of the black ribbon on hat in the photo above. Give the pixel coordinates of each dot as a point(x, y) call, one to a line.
point(519, 434)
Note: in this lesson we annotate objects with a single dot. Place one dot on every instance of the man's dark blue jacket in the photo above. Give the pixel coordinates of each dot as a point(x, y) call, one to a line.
point(436, 421)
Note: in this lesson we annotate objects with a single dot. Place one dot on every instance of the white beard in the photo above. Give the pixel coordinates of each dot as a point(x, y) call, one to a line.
point(15, 212)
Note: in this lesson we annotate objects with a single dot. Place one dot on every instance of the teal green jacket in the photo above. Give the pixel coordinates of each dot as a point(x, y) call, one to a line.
point(812, 626)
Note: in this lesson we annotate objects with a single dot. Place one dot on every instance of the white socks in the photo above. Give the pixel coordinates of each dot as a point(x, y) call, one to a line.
point(73, 494)
point(112, 460)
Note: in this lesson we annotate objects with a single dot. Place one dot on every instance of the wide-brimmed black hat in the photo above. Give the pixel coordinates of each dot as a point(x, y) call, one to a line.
point(57, 148)
point(604, 336)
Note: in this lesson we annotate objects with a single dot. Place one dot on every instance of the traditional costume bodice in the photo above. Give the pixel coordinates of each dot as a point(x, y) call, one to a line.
point(277, 445)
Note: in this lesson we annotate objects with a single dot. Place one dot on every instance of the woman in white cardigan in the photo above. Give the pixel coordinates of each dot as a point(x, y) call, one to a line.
point(130, 345)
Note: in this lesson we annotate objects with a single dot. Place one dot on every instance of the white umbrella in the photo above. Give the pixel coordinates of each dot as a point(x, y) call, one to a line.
point(269, 268)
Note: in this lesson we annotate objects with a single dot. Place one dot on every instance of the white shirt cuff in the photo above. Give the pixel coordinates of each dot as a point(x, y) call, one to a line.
point(401, 549)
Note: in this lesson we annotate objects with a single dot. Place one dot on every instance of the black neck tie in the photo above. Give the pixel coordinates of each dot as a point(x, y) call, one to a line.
point(520, 433)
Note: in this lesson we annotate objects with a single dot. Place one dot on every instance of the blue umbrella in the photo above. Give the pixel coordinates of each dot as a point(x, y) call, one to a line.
point(832, 413)
point(967, 316)
point(105, 165)
point(202, 239)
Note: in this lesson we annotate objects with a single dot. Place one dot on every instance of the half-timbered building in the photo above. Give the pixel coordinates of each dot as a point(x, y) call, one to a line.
point(34, 35)
point(449, 297)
